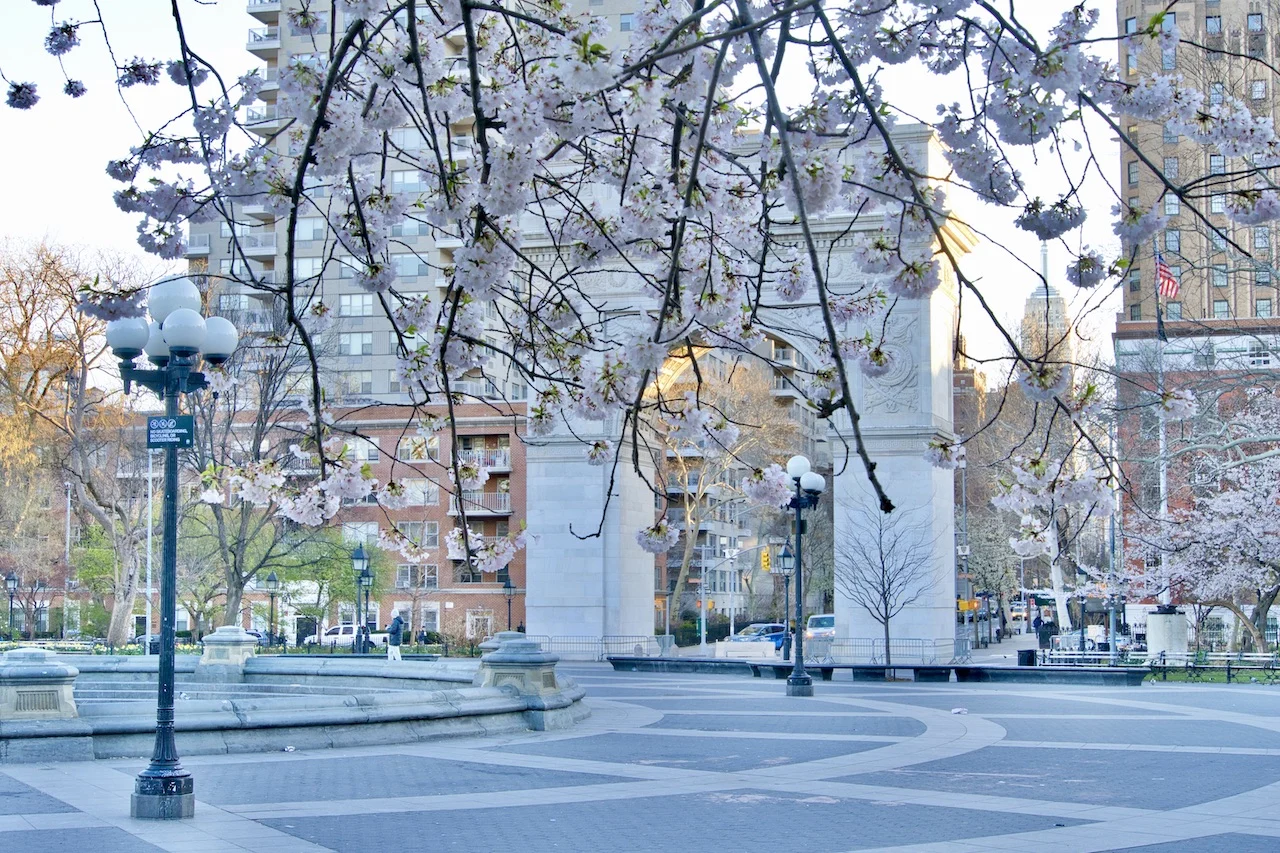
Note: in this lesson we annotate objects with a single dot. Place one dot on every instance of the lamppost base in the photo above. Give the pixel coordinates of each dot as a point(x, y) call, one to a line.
point(163, 798)
point(801, 685)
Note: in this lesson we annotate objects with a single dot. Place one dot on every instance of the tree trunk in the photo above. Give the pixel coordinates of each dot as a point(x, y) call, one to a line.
point(235, 597)
point(1055, 578)
point(120, 629)
point(1258, 637)
point(888, 657)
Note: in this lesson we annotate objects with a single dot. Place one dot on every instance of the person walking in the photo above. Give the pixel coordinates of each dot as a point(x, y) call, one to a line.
point(395, 631)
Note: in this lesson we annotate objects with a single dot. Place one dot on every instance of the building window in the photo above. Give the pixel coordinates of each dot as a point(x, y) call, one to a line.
point(1217, 203)
point(417, 448)
point(1216, 93)
point(1172, 204)
point(1130, 26)
point(355, 382)
point(1135, 312)
point(1171, 168)
point(355, 305)
point(1254, 22)
point(624, 22)
point(1172, 240)
point(1262, 307)
point(1170, 135)
point(1131, 63)
point(1262, 237)
point(1169, 59)
point(304, 268)
point(1173, 310)
point(408, 181)
point(1218, 274)
point(1135, 279)
point(424, 534)
point(311, 228)
point(419, 491)
point(464, 572)
point(414, 576)
point(355, 343)
point(1259, 356)
point(1258, 89)
point(1217, 164)
point(1217, 241)
point(409, 265)
point(1133, 172)
point(360, 532)
point(1262, 278)
point(1213, 25)
point(1221, 309)
point(363, 449)
point(393, 382)
point(409, 228)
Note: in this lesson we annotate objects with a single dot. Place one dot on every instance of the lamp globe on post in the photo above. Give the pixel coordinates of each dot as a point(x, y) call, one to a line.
point(359, 565)
point(809, 486)
point(273, 586)
point(172, 343)
point(509, 590)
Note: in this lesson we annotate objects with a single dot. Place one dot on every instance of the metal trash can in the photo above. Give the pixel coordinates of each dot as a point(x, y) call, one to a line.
point(1026, 657)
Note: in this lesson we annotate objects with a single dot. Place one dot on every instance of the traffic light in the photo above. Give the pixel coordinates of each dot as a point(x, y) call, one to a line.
point(765, 561)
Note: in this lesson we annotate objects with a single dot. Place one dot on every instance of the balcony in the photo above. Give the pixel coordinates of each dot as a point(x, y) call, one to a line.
point(482, 503)
point(784, 387)
point(264, 41)
point(785, 357)
point(257, 211)
point(494, 460)
point(270, 84)
point(264, 119)
point(197, 246)
point(258, 244)
point(267, 11)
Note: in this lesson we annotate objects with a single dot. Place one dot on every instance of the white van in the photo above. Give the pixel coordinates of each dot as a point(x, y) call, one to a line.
point(820, 626)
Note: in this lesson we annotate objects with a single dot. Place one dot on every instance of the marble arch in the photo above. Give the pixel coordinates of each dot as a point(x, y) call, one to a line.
point(605, 584)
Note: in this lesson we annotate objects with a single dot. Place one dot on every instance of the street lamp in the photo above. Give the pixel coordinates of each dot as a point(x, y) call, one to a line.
point(366, 582)
point(509, 590)
point(786, 563)
point(273, 587)
point(359, 565)
point(809, 485)
point(173, 341)
point(11, 584)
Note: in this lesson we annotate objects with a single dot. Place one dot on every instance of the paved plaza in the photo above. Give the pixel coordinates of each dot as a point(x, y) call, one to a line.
point(727, 763)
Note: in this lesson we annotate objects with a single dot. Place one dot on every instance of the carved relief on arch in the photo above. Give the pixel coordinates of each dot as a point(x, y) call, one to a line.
point(898, 390)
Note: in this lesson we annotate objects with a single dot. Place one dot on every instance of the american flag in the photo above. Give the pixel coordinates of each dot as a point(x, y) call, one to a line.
point(1166, 281)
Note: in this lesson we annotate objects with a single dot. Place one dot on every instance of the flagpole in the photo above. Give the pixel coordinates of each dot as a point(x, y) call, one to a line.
point(1162, 465)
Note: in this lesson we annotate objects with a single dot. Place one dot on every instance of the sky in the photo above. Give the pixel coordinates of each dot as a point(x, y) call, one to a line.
point(54, 155)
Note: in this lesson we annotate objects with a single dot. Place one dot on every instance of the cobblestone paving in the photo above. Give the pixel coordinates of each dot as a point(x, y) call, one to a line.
point(726, 763)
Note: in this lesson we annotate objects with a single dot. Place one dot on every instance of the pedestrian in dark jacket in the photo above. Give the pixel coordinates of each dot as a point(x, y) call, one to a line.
point(395, 631)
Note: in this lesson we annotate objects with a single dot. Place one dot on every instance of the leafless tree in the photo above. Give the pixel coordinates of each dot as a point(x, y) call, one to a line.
point(884, 566)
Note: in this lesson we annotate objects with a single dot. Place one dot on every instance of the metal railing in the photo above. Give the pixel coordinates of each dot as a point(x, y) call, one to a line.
point(482, 502)
point(497, 459)
point(597, 648)
point(262, 35)
point(871, 650)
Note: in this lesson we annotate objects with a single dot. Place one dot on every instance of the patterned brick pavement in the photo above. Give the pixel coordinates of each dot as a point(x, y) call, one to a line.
point(707, 762)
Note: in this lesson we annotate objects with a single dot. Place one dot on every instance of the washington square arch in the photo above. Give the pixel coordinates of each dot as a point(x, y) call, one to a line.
point(588, 577)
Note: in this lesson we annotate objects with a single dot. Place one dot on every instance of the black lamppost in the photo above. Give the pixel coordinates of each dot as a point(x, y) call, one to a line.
point(366, 582)
point(11, 584)
point(273, 587)
point(173, 342)
point(509, 590)
point(809, 485)
point(786, 563)
point(359, 566)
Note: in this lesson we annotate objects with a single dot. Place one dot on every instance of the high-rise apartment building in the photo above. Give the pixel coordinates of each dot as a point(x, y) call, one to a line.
point(1221, 330)
point(359, 354)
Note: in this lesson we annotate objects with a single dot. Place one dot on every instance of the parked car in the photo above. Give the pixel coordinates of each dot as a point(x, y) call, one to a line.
point(820, 626)
point(758, 631)
point(344, 635)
